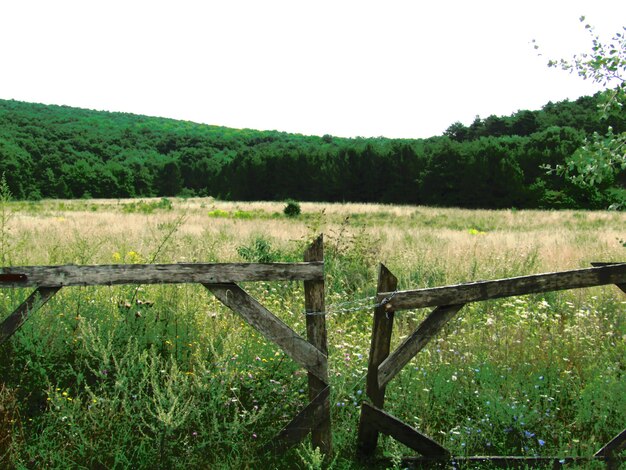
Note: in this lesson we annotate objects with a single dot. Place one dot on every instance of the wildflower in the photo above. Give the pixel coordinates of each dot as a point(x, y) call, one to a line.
point(541, 442)
point(529, 434)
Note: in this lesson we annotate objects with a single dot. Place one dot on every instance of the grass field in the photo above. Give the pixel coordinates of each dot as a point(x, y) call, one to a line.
point(178, 381)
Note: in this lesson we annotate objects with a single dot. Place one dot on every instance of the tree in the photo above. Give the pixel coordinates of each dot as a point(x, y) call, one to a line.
point(601, 157)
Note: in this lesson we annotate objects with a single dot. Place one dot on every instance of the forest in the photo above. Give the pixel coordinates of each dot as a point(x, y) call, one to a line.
point(49, 151)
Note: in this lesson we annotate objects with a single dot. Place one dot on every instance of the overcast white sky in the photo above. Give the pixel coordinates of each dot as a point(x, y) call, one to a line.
point(394, 68)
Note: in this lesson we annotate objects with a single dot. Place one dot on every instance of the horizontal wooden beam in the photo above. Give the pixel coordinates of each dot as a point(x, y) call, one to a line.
point(272, 328)
point(73, 275)
point(485, 290)
point(415, 342)
point(387, 424)
point(14, 321)
point(305, 422)
point(620, 286)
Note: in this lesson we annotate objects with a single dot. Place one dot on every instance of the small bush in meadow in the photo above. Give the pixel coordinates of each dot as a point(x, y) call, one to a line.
point(292, 209)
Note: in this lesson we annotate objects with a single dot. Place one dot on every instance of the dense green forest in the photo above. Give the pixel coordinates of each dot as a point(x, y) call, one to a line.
point(496, 162)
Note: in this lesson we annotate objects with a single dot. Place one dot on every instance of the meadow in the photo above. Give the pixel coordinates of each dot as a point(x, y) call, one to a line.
point(167, 377)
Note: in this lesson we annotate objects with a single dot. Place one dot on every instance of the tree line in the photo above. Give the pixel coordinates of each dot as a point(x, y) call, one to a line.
point(51, 151)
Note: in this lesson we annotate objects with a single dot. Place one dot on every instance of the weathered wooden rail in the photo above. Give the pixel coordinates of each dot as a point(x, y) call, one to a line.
point(221, 280)
point(384, 365)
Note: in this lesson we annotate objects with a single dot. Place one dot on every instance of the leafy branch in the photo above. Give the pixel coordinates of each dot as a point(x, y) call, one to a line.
point(601, 157)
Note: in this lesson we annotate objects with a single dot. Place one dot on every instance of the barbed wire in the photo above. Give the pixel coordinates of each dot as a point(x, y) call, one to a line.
point(353, 306)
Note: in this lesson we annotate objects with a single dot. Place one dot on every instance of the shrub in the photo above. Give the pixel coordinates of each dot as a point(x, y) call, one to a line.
point(292, 209)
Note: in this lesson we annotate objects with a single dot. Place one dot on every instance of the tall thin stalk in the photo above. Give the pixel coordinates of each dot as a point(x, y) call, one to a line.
point(5, 217)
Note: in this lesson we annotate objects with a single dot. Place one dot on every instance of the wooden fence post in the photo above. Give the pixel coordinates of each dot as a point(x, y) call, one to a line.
point(316, 334)
point(379, 350)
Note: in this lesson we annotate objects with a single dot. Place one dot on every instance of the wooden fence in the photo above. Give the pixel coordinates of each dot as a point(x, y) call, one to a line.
point(221, 280)
point(312, 353)
point(448, 301)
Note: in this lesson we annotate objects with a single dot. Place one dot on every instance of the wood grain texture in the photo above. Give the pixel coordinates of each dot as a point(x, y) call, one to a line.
point(114, 274)
point(314, 301)
point(14, 321)
point(485, 290)
point(415, 342)
point(382, 328)
point(402, 432)
point(271, 327)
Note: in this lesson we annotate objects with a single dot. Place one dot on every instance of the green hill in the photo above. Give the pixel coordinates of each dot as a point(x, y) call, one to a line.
point(62, 152)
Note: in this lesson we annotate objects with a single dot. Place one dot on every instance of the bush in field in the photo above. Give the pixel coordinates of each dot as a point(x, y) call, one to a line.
point(292, 209)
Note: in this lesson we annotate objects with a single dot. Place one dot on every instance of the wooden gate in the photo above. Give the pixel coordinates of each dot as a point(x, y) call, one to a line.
point(449, 300)
point(221, 280)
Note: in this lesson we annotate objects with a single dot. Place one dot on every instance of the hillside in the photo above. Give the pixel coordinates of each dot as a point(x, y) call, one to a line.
point(62, 152)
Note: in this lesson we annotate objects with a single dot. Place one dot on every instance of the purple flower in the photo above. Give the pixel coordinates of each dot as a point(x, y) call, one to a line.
point(529, 434)
point(541, 442)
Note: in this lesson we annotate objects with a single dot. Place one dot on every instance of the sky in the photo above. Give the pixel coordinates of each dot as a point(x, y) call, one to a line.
point(393, 68)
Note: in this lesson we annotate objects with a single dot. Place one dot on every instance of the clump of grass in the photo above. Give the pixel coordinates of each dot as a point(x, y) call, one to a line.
point(218, 213)
point(259, 250)
point(10, 423)
point(144, 207)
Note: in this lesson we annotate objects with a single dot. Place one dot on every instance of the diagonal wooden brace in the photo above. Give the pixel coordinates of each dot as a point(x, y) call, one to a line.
point(416, 342)
point(272, 328)
point(616, 444)
point(305, 422)
point(402, 432)
point(14, 321)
